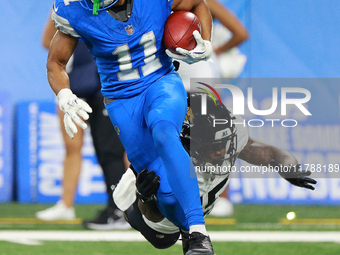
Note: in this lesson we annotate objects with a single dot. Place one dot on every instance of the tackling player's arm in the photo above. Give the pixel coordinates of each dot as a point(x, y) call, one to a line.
point(259, 153)
point(150, 210)
point(147, 184)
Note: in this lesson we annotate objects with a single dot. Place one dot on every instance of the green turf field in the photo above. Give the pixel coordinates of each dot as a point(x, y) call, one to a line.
point(246, 218)
point(121, 248)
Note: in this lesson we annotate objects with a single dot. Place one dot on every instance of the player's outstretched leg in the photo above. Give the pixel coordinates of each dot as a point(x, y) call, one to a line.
point(177, 167)
point(166, 104)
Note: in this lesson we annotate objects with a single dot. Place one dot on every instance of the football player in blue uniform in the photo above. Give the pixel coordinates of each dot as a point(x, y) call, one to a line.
point(144, 96)
point(211, 147)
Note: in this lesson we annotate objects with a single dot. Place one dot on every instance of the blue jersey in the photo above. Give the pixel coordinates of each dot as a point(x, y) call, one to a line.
point(129, 55)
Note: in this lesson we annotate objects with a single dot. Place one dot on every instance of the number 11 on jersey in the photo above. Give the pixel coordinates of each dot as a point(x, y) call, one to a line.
point(151, 63)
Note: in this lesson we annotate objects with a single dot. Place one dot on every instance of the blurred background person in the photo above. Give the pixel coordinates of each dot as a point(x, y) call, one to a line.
point(85, 83)
point(228, 62)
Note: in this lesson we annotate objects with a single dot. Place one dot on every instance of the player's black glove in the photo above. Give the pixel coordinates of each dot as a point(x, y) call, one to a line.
point(293, 175)
point(147, 184)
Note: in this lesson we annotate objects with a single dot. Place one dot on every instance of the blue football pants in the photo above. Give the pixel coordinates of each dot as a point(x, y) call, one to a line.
point(149, 127)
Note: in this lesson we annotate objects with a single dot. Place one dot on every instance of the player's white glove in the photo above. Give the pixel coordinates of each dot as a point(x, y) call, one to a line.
point(202, 51)
point(73, 107)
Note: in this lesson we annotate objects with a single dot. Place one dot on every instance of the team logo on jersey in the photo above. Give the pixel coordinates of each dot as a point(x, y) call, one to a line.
point(129, 29)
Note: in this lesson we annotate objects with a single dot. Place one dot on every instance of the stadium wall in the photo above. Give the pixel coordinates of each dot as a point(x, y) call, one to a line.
point(287, 39)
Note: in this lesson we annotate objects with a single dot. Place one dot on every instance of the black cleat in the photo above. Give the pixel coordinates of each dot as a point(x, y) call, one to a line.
point(199, 244)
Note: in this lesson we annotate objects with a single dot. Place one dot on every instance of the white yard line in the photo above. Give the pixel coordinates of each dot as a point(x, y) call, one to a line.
point(275, 236)
point(25, 241)
point(92, 236)
point(35, 236)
